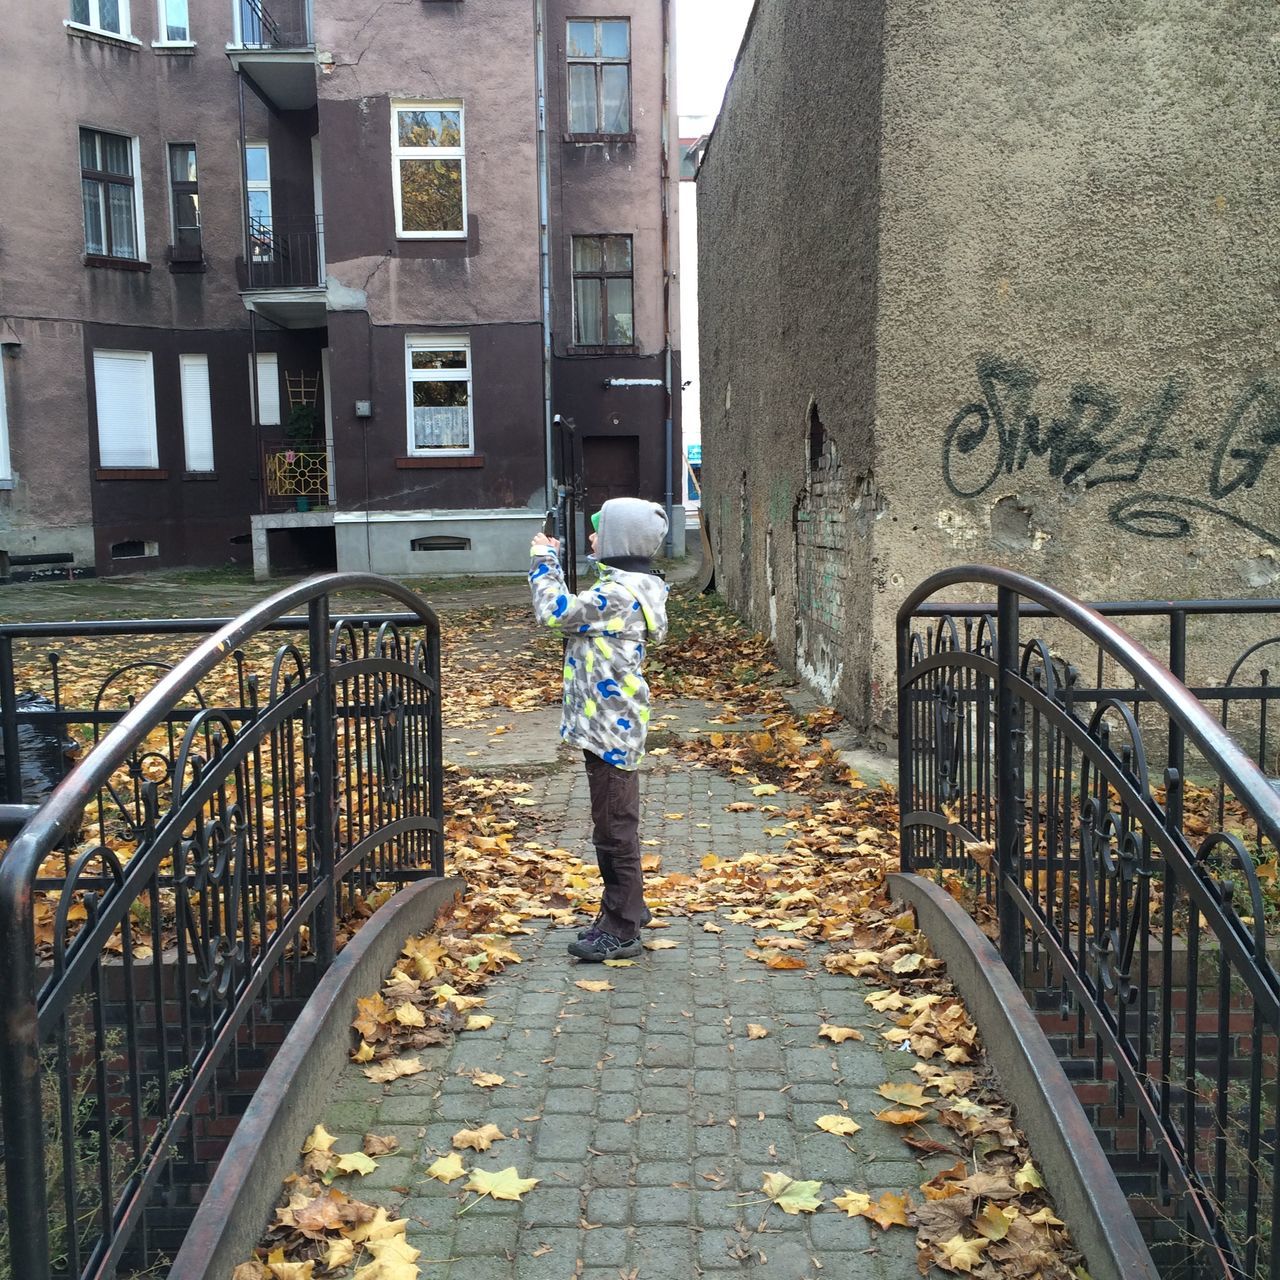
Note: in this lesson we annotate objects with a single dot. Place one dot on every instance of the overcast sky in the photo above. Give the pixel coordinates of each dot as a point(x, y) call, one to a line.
point(708, 33)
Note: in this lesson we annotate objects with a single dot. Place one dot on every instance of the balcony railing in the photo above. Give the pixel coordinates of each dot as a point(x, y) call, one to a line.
point(296, 477)
point(284, 24)
point(285, 253)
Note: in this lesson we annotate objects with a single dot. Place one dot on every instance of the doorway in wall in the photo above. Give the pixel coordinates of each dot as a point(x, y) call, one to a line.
point(611, 469)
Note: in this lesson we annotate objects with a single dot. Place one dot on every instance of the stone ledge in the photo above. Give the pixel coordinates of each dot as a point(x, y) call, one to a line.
point(1085, 1191)
point(285, 1106)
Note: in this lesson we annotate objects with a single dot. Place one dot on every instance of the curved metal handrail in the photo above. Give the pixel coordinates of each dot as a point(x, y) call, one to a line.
point(60, 813)
point(1166, 690)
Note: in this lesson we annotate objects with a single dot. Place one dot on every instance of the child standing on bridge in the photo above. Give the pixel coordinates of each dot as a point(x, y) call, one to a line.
point(606, 699)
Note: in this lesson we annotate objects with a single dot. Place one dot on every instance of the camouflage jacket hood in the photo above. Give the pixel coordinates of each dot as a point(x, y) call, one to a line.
point(607, 629)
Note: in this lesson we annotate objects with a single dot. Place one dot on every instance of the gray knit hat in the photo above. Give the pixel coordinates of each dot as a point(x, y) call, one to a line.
point(630, 527)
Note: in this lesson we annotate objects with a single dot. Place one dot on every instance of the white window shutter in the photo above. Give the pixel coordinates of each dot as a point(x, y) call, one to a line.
point(197, 412)
point(268, 389)
point(6, 469)
point(126, 394)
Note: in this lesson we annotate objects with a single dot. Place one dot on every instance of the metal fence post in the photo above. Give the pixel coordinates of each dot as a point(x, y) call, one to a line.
point(436, 764)
point(906, 759)
point(9, 724)
point(1177, 739)
point(322, 720)
point(1010, 801)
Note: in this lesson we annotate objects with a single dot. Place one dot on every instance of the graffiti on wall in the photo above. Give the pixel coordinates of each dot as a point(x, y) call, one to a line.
point(1095, 438)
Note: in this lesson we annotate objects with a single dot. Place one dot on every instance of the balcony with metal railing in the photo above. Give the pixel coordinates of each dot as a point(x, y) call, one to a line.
point(273, 48)
point(282, 276)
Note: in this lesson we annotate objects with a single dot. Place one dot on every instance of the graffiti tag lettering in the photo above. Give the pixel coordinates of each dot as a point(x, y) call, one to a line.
point(1092, 442)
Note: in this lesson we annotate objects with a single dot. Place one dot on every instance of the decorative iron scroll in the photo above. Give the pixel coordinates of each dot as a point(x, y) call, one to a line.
point(1115, 837)
point(204, 854)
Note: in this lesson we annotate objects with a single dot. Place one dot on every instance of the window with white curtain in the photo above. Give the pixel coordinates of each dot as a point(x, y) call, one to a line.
point(438, 372)
point(268, 389)
point(111, 16)
point(197, 412)
point(110, 194)
point(125, 389)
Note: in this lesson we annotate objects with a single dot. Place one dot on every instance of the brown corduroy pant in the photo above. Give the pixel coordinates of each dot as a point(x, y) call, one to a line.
point(615, 820)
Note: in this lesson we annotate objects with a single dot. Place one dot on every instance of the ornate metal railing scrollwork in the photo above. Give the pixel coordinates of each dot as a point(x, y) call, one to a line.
point(210, 845)
point(1121, 845)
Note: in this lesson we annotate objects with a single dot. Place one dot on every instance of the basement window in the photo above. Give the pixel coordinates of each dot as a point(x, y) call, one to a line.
point(134, 549)
point(440, 542)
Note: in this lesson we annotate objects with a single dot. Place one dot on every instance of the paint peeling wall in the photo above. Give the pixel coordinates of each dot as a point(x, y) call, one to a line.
point(1064, 352)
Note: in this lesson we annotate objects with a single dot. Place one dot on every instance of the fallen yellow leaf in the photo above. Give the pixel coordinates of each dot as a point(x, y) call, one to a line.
point(661, 944)
point(506, 1184)
point(959, 1254)
point(853, 1202)
point(910, 1095)
point(447, 1168)
point(839, 1034)
point(478, 1139)
point(393, 1069)
point(487, 1079)
point(756, 1032)
point(588, 985)
point(905, 1115)
point(478, 1022)
point(790, 1195)
point(320, 1139)
point(364, 1053)
point(842, 1126)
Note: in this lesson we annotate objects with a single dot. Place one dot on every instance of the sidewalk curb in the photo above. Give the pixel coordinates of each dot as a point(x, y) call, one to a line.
point(286, 1104)
point(1085, 1190)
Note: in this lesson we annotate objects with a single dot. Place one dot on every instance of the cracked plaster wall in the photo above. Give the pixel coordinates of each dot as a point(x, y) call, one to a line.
point(1074, 368)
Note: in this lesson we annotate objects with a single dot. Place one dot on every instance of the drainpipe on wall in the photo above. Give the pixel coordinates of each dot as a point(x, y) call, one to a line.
point(663, 184)
point(544, 238)
point(253, 314)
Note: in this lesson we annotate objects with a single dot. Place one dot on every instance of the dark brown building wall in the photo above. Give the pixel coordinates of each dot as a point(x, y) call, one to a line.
point(368, 363)
point(193, 518)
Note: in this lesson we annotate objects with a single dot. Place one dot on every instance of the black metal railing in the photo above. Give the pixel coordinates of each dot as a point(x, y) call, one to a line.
point(283, 24)
point(1116, 839)
point(285, 253)
point(202, 858)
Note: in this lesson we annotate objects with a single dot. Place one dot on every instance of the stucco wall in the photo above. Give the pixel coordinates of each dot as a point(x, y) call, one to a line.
point(787, 239)
point(1064, 357)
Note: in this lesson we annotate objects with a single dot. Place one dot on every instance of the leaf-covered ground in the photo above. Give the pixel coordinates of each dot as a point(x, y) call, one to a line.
point(813, 897)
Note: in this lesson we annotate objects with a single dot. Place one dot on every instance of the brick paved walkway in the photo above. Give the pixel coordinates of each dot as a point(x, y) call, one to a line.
point(646, 1112)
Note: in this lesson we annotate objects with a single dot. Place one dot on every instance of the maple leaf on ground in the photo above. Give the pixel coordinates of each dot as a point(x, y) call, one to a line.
point(661, 944)
point(320, 1139)
point(841, 1126)
point(478, 1139)
point(388, 1269)
point(959, 1254)
point(447, 1168)
point(251, 1271)
point(910, 1095)
point(782, 960)
point(1027, 1177)
point(889, 1211)
point(756, 1032)
point(588, 985)
point(292, 1270)
point(376, 1144)
point(993, 1222)
point(853, 1202)
point(341, 1251)
point(371, 1017)
point(506, 1184)
point(486, 1079)
point(478, 1022)
point(839, 1034)
point(393, 1069)
point(792, 1196)
point(902, 1115)
point(364, 1053)
point(409, 1015)
point(379, 1227)
point(355, 1162)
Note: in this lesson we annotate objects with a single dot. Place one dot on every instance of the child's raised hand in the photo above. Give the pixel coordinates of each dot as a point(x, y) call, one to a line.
point(541, 540)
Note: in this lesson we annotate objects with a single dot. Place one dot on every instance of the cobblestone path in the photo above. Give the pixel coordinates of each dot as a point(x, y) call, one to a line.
point(646, 1112)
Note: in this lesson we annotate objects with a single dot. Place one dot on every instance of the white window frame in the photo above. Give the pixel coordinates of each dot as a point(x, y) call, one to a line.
point(267, 360)
point(139, 215)
point(197, 414)
point(399, 153)
point(259, 184)
point(162, 30)
point(143, 357)
point(6, 461)
point(95, 22)
point(438, 342)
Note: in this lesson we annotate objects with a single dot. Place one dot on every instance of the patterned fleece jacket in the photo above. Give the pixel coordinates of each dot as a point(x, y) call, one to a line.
point(606, 698)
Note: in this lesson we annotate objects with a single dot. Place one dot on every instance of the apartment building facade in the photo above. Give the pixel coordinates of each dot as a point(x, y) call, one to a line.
point(308, 282)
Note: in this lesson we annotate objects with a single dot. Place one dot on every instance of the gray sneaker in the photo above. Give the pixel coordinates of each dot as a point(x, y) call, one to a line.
point(604, 946)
